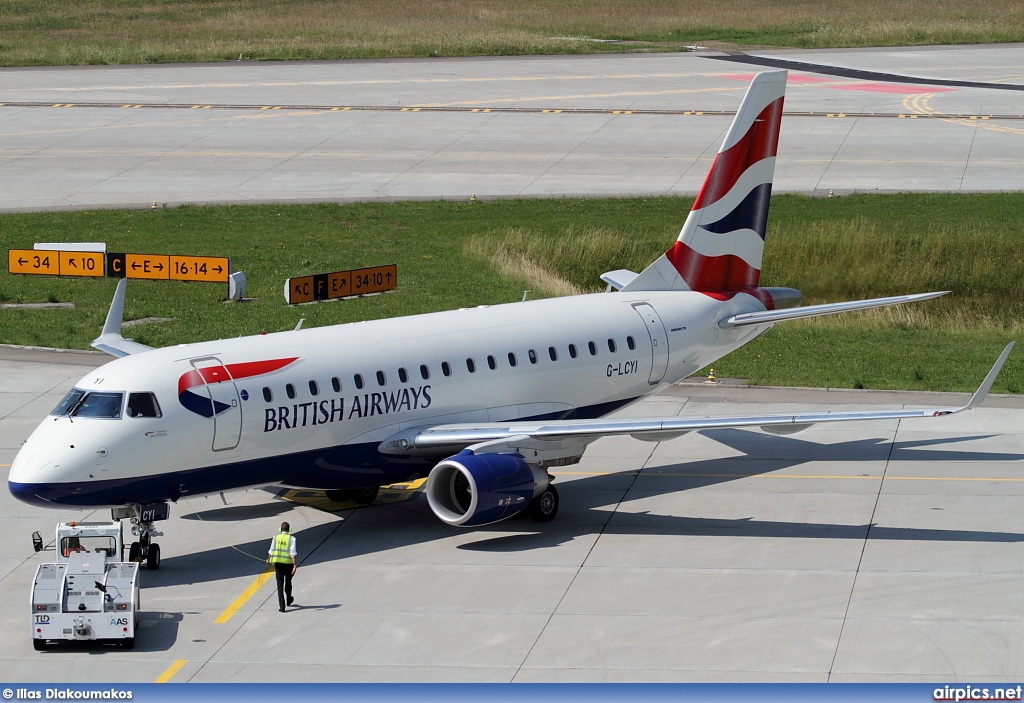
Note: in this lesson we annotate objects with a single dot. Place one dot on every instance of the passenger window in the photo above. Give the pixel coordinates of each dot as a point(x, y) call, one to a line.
point(424, 372)
point(142, 405)
point(336, 384)
point(358, 378)
point(533, 356)
point(630, 343)
point(553, 354)
point(572, 350)
point(471, 365)
point(512, 361)
point(611, 345)
point(403, 376)
point(314, 389)
point(446, 368)
point(268, 395)
point(593, 348)
point(289, 389)
point(381, 378)
point(491, 363)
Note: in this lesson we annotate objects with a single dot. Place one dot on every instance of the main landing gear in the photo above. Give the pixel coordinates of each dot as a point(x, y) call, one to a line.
point(544, 507)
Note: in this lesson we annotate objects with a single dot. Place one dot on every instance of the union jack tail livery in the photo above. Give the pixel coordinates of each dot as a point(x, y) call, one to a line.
point(720, 246)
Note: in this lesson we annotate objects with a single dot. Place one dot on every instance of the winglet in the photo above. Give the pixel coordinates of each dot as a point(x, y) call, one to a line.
point(110, 339)
point(979, 395)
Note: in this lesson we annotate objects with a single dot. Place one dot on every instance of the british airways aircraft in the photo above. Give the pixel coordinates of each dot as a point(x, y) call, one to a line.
point(483, 401)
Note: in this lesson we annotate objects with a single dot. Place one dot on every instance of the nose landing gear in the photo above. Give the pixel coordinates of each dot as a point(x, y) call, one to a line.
point(142, 518)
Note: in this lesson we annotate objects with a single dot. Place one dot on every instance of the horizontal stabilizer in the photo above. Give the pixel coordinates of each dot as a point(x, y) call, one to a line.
point(759, 318)
point(110, 340)
point(619, 278)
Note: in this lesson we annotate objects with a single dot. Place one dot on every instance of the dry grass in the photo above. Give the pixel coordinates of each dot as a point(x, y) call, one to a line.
point(515, 255)
point(39, 32)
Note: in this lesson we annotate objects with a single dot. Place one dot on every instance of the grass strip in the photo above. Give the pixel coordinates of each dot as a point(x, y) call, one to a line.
point(453, 255)
point(68, 32)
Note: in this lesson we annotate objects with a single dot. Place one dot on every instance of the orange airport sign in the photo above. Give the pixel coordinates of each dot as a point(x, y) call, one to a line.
point(81, 263)
point(341, 284)
point(154, 266)
point(199, 268)
point(374, 280)
point(215, 269)
point(33, 261)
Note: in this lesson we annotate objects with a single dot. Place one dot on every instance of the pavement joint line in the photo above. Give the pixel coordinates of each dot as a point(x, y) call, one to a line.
point(170, 671)
point(481, 108)
point(657, 474)
point(248, 593)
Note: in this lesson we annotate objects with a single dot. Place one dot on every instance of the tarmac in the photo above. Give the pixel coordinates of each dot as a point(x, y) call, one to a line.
point(883, 551)
point(602, 125)
point(878, 551)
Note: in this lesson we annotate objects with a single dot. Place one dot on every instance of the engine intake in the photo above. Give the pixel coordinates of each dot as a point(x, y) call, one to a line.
point(470, 489)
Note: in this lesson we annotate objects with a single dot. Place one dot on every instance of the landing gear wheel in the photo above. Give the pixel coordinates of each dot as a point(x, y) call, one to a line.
point(544, 507)
point(134, 551)
point(153, 558)
point(38, 645)
point(337, 496)
point(364, 496)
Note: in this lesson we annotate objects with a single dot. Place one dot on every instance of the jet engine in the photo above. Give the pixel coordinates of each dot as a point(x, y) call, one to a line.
point(470, 489)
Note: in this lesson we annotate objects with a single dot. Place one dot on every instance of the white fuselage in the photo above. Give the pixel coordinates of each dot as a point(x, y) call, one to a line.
point(288, 407)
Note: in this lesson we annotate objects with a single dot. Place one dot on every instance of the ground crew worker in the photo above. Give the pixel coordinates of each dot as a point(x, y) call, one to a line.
point(282, 556)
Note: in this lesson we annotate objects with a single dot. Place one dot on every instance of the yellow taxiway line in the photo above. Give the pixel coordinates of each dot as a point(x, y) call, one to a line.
point(248, 593)
point(170, 671)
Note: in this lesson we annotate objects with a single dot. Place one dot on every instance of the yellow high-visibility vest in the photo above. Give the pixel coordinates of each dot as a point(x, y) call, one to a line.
point(281, 553)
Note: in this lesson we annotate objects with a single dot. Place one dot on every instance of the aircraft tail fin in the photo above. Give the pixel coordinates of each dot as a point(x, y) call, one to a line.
point(720, 245)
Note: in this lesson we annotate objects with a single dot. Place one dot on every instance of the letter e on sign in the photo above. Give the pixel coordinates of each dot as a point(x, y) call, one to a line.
point(339, 284)
point(154, 266)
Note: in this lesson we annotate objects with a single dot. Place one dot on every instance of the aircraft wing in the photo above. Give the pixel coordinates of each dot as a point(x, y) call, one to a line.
point(550, 435)
point(110, 339)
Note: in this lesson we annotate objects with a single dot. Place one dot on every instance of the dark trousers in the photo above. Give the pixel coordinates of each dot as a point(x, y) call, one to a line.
point(284, 583)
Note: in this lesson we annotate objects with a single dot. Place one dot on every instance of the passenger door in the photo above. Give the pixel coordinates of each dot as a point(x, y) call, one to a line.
point(227, 407)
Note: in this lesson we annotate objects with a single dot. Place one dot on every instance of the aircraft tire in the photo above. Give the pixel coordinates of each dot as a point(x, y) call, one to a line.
point(153, 557)
point(134, 551)
point(364, 496)
point(544, 507)
point(337, 496)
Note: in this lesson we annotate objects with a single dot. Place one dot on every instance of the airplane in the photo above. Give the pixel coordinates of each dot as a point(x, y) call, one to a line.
point(483, 401)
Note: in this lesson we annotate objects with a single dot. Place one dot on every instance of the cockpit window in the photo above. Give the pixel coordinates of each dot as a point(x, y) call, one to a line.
point(142, 405)
point(68, 402)
point(99, 405)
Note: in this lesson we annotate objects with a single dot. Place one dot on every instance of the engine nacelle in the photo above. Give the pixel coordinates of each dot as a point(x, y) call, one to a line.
point(477, 489)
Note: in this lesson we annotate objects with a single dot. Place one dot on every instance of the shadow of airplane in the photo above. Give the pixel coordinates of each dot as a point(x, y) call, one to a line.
point(585, 509)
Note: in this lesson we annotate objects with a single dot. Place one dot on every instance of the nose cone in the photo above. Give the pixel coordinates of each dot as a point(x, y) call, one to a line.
point(40, 469)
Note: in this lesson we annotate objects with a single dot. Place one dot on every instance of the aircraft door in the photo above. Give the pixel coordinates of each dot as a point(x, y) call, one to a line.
point(225, 403)
point(659, 341)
